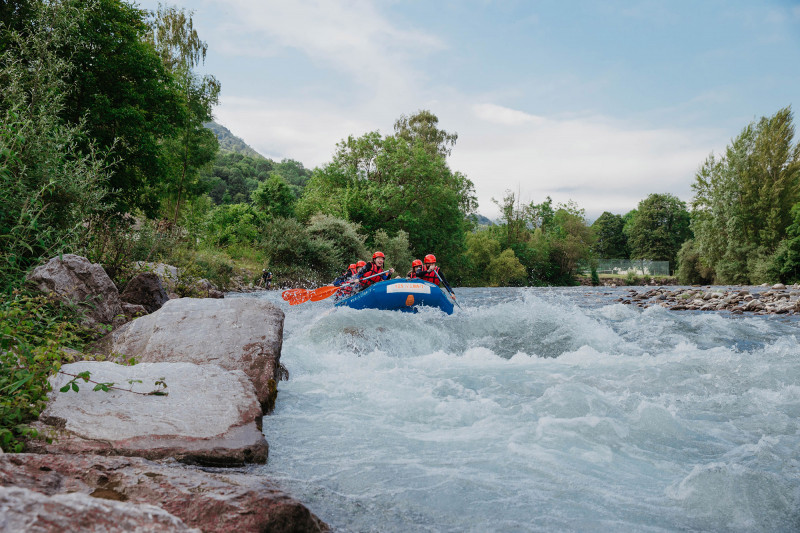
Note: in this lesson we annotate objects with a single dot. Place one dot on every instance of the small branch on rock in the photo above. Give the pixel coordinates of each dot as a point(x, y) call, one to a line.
point(105, 387)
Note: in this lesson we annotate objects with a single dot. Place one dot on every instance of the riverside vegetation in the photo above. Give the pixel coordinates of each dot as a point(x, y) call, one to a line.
point(106, 151)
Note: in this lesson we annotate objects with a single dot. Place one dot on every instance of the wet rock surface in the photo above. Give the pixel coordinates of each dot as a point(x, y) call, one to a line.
point(777, 299)
point(210, 415)
point(208, 500)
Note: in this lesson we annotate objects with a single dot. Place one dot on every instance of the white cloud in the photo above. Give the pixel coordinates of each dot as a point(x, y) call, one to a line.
point(348, 36)
point(503, 115)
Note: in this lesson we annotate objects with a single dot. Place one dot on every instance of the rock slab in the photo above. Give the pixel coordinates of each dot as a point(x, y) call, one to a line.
point(235, 333)
point(210, 416)
point(210, 501)
point(26, 510)
point(76, 280)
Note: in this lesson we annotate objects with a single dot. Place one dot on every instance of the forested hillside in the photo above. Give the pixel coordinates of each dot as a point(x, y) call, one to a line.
point(228, 142)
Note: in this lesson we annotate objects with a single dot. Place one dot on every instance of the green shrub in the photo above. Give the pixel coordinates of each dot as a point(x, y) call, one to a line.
point(344, 235)
point(691, 269)
point(33, 333)
point(506, 270)
point(396, 249)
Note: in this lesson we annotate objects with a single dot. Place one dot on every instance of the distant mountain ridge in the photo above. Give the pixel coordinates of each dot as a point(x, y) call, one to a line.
point(228, 142)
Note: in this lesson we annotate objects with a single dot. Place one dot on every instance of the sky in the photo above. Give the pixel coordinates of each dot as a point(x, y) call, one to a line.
point(600, 102)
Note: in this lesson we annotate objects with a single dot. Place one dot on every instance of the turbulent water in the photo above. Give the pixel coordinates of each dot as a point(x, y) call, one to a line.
point(539, 410)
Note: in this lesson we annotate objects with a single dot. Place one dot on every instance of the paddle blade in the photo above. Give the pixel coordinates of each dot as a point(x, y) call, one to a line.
point(323, 292)
point(296, 296)
point(292, 294)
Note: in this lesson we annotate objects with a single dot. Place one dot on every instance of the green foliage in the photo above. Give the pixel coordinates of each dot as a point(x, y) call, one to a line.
point(595, 276)
point(274, 197)
point(743, 200)
point(174, 37)
point(506, 270)
point(691, 270)
point(47, 186)
point(396, 249)
point(482, 248)
point(122, 91)
point(288, 242)
point(33, 333)
point(786, 262)
point(659, 228)
point(611, 241)
point(398, 182)
point(228, 142)
point(233, 224)
point(344, 237)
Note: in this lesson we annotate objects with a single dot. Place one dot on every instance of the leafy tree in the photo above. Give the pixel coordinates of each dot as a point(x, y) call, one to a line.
point(691, 269)
point(393, 184)
point(396, 249)
point(173, 35)
point(611, 243)
point(743, 199)
point(423, 126)
point(345, 236)
point(787, 258)
point(125, 96)
point(482, 248)
point(47, 187)
point(274, 197)
point(506, 270)
point(659, 228)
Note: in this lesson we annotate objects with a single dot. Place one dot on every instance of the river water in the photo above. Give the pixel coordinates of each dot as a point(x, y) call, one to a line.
point(539, 410)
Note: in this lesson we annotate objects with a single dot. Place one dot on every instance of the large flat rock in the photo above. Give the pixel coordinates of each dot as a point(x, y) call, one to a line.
point(236, 333)
point(210, 416)
point(33, 512)
point(211, 501)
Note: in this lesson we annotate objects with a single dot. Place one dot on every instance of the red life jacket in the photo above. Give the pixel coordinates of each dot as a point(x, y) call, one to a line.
point(373, 269)
point(430, 276)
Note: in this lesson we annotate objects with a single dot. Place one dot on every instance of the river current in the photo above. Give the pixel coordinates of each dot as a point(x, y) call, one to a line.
point(539, 410)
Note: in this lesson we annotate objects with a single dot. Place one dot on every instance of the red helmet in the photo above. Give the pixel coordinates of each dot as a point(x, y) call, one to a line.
point(361, 264)
point(378, 254)
point(430, 258)
point(416, 263)
point(352, 267)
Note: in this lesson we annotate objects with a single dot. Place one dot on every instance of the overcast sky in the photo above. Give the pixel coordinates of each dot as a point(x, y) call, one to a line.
point(600, 102)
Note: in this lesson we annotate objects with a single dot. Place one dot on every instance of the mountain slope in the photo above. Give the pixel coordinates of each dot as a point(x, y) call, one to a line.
point(228, 142)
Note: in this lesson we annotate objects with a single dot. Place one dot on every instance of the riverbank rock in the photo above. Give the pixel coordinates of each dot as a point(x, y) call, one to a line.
point(235, 333)
point(210, 501)
point(74, 279)
point(210, 416)
point(145, 289)
point(738, 300)
point(33, 512)
point(168, 274)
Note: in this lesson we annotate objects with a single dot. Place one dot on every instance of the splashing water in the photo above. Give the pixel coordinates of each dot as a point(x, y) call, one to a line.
point(539, 410)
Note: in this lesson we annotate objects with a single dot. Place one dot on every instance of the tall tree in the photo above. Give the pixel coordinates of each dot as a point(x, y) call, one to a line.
point(659, 228)
point(393, 183)
point(611, 243)
point(743, 199)
point(123, 93)
point(181, 49)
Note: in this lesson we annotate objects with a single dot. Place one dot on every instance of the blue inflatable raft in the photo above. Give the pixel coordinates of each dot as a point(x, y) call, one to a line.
point(400, 295)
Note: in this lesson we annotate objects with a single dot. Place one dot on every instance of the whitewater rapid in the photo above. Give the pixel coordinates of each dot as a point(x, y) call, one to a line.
point(539, 410)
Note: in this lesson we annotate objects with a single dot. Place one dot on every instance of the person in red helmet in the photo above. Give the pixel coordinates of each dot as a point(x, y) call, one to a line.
point(345, 276)
point(416, 269)
point(374, 267)
point(433, 273)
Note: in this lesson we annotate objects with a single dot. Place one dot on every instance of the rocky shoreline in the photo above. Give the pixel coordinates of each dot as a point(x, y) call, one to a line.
point(179, 386)
point(777, 299)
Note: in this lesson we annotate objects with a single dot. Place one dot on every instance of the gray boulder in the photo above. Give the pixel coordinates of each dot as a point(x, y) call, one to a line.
point(146, 290)
point(169, 274)
point(74, 279)
point(235, 333)
point(210, 416)
point(210, 501)
point(32, 512)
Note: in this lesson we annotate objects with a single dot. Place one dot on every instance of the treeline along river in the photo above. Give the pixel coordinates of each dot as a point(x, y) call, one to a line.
point(539, 410)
